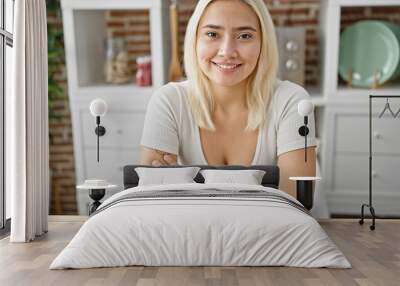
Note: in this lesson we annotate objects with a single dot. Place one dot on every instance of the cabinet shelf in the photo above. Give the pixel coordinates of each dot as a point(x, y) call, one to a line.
point(366, 3)
point(331, 13)
point(392, 88)
point(85, 31)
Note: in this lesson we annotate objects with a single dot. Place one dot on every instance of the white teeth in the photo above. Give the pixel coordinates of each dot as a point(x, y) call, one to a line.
point(228, 67)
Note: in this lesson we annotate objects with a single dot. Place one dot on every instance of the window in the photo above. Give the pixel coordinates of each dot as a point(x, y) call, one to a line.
point(6, 44)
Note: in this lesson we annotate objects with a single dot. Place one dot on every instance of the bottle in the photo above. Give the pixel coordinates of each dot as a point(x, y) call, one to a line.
point(143, 74)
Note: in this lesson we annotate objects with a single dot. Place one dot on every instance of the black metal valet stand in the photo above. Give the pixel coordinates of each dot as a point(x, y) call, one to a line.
point(369, 205)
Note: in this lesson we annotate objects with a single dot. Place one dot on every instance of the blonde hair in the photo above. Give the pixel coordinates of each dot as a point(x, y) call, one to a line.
point(260, 84)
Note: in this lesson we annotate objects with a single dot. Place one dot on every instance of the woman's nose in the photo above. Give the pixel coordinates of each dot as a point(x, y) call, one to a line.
point(227, 48)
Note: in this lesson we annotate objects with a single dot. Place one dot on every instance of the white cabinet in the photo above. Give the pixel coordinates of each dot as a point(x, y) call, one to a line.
point(345, 158)
point(85, 34)
point(346, 161)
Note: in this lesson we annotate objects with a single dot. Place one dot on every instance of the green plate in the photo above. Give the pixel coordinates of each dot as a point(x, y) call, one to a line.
point(396, 30)
point(367, 48)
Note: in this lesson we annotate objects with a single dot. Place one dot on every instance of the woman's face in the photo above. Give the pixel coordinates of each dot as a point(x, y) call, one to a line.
point(228, 42)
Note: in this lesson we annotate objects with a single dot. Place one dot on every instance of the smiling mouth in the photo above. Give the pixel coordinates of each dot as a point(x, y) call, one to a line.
point(227, 67)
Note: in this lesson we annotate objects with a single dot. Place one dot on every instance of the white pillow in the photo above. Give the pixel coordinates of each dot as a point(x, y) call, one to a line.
point(162, 176)
point(249, 177)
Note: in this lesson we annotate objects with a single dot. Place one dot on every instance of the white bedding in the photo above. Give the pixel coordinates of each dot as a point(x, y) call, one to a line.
point(182, 231)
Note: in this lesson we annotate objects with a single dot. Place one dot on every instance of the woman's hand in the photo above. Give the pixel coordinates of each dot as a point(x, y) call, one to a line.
point(167, 160)
point(157, 158)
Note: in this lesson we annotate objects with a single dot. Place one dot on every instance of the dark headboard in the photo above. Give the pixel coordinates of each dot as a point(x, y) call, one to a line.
point(270, 179)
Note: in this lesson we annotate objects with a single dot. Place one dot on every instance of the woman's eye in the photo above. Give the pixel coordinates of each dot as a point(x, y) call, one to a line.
point(246, 36)
point(211, 34)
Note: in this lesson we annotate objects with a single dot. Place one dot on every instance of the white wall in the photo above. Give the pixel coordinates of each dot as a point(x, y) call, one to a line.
point(8, 91)
point(9, 11)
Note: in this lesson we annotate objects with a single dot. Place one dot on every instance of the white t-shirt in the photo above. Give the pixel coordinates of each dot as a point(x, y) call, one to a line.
point(169, 125)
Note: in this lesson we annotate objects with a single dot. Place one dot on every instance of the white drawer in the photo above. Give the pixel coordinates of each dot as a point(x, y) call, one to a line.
point(111, 163)
point(350, 173)
point(352, 134)
point(123, 129)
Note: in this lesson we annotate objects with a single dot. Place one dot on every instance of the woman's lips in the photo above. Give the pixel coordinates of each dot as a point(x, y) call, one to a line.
point(227, 67)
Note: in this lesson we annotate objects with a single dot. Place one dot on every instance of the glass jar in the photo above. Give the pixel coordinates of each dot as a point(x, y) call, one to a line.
point(143, 74)
point(117, 68)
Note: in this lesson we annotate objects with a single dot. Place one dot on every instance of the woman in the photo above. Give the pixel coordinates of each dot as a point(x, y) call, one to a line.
point(232, 110)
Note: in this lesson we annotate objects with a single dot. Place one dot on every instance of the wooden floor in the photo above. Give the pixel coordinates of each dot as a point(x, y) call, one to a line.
point(374, 255)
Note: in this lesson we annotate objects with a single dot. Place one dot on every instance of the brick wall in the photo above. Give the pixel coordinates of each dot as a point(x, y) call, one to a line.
point(353, 14)
point(134, 27)
point(62, 164)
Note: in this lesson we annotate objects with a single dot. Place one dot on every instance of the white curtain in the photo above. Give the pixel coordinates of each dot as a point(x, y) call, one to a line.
point(27, 146)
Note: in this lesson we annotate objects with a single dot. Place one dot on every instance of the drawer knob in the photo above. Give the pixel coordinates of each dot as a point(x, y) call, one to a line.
point(374, 174)
point(292, 46)
point(120, 131)
point(291, 65)
point(377, 135)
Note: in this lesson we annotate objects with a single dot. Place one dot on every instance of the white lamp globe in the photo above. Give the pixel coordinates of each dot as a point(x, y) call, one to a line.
point(98, 107)
point(305, 107)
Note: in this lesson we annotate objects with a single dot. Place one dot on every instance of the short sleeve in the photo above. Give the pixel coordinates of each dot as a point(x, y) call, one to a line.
point(289, 120)
point(160, 124)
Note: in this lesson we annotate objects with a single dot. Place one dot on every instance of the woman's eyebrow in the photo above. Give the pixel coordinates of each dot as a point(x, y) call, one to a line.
point(241, 28)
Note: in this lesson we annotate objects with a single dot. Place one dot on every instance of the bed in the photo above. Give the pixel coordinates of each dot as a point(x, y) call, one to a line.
point(201, 224)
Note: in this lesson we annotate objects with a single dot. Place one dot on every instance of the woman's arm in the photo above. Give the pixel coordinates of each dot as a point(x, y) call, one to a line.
point(292, 164)
point(156, 158)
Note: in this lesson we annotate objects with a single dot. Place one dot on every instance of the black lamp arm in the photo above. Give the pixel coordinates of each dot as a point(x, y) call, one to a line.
point(100, 131)
point(303, 131)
